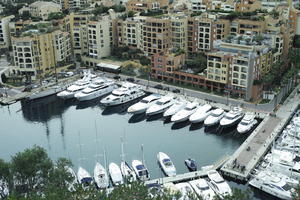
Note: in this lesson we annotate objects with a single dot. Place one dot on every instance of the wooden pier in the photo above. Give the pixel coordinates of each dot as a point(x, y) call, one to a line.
point(247, 156)
point(190, 175)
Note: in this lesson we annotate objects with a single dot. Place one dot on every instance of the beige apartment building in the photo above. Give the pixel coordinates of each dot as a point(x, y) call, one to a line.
point(144, 5)
point(4, 31)
point(178, 26)
point(42, 9)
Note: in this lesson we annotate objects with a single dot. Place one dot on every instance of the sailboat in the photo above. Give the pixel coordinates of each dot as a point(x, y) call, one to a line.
point(100, 174)
point(126, 170)
point(140, 168)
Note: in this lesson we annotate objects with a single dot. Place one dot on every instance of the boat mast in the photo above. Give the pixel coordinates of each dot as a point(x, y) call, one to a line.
point(80, 152)
point(122, 150)
point(104, 157)
point(143, 158)
point(96, 131)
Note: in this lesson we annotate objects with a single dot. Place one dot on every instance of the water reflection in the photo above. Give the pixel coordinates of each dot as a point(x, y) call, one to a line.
point(180, 125)
point(118, 109)
point(87, 104)
point(196, 126)
point(137, 118)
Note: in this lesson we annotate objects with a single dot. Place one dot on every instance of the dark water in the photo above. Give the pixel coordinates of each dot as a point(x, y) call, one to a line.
point(60, 126)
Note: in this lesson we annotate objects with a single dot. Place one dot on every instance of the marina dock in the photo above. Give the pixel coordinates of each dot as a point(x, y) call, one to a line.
point(190, 175)
point(247, 156)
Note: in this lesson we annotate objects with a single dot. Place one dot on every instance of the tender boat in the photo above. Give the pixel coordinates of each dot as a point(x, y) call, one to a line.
point(76, 87)
point(218, 184)
point(115, 174)
point(191, 164)
point(100, 176)
point(73, 179)
point(232, 117)
point(166, 164)
point(127, 172)
point(185, 113)
point(274, 184)
point(202, 189)
point(4, 191)
point(140, 170)
point(127, 92)
point(201, 114)
point(97, 88)
point(160, 106)
point(84, 177)
point(247, 123)
point(144, 104)
point(186, 190)
point(214, 117)
point(176, 107)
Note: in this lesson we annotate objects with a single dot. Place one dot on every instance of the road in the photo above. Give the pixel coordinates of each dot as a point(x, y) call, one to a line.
point(267, 107)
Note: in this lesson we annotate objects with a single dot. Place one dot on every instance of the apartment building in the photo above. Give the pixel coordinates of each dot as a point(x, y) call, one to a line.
point(247, 5)
point(42, 9)
point(4, 31)
point(144, 5)
point(156, 34)
point(36, 54)
point(178, 26)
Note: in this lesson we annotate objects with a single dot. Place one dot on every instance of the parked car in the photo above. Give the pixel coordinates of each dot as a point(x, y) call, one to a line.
point(158, 86)
point(117, 77)
point(167, 88)
point(176, 90)
point(130, 79)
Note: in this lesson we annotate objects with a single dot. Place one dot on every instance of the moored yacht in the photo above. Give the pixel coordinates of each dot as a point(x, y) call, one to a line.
point(186, 190)
point(84, 177)
point(73, 89)
point(202, 189)
point(191, 164)
point(127, 92)
point(97, 88)
point(176, 107)
point(160, 106)
point(274, 184)
point(214, 117)
point(127, 172)
point(140, 170)
point(247, 123)
point(232, 117)
point(185, 113)
point(218, 184)
point(201, 113)
point(143, 104)
point(166, 164)
point(100, 176)
point(73, 181)
point(115, 174)
point(47, 91)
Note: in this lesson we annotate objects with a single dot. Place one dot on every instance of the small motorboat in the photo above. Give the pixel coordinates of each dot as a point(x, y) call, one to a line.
point(185, 190)
point(84, 177)
point(100, 176)
point(73, 181)
point(166, 164)
point(185, 113)
point(176, 107)
point(161, 105)
point(232, 117)
point(218, 184)
point(140, 170)
point(191, 164)
point(202, 189)
point(214, 117)
point(247, 123)
point(127, 172)
point(115, 174)
point(143, 104)
point(201, 114)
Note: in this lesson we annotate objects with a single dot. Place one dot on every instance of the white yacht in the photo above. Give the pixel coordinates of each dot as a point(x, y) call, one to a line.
point(161, 105)
point(73, 181)
point(143, 104)
point(166, 164)
point(185, 190)
point(140, 170)
point(115, 174)
point(273, 184)
point(214, 117)
point(185, 113)
point(247, 123)
point(4, 191)
point(47, 91)
point(218, 184)
point(232, 117)
point(127, 92)
point(100, 176)
point(127, 172)
point(84, 177)
point(97, 88)
point(76, 87)
point(176, 107)
point(201, 114)
point(202, 189)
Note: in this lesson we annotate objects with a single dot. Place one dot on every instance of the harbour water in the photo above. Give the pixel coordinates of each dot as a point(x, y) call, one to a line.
point(60, 126)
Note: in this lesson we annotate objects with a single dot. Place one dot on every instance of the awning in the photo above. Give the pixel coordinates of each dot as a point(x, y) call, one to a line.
point(108, 66)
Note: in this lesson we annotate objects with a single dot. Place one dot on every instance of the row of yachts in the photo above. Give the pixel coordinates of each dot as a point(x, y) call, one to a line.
point(175, 108)
point(279, 172)
point(207, 189)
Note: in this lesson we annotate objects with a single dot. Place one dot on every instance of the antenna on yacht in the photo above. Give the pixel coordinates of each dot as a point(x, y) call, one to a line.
point(143, 157)
point(97, 140)
point(104, 157)
point(80, 152)
point(122, 150)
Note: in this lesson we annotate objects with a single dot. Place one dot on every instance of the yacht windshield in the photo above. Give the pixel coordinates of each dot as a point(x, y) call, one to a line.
point(244, 123)
point(159, 103)
point(215, 115)
point(144, 101)
point(189, 108)
point(203, 187)
point(140, 167)
point(167, 162)
point(230, 117)
point(143, 173)
point(287, 187)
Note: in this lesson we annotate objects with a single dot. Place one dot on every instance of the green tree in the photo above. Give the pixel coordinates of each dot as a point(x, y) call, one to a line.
point(296, 193)
point(55, 16)
point(238, 194)
point(198, 63)
point(25, 15)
